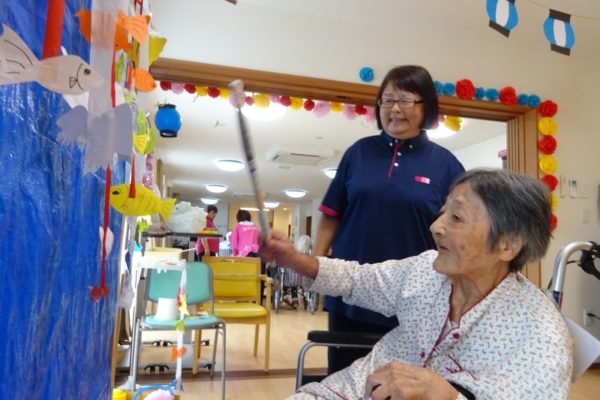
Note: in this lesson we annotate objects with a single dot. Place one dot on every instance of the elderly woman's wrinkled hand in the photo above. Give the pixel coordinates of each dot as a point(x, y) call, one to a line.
point(278, 247)
point(397, 381)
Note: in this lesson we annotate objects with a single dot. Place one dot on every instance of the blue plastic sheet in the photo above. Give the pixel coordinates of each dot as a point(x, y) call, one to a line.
point(55, 341)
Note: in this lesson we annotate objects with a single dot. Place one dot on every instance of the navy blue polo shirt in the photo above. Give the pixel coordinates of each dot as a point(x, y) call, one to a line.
point(386, 194)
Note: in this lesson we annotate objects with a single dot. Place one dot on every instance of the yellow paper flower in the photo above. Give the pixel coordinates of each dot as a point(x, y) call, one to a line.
point(547, 164)
point(453, 123)
point(201, 91)
point(336, 107)
point(553, 201)
point(547, 126)
point(261, 100)
point(224, 93)
point(296, 103)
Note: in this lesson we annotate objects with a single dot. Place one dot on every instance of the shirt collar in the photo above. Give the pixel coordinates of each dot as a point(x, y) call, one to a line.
point(406, 145)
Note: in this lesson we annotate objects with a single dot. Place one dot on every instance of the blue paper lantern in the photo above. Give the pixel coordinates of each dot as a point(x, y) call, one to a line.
point(503, 15)
point(559, 32)
point(167, 120)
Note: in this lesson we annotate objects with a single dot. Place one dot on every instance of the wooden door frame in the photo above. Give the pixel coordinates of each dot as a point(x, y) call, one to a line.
point(521, 121)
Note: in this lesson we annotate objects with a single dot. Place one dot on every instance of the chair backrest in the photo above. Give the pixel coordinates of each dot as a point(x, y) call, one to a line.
point(235, 277)
point(166, 284)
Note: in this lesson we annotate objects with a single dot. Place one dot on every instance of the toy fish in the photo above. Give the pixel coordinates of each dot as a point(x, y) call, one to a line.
point(144, 203)
point(140, 142)
point(62, 74)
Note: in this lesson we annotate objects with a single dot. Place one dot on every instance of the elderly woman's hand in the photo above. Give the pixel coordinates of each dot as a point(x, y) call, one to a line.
point(278, 247)
point(397, 381)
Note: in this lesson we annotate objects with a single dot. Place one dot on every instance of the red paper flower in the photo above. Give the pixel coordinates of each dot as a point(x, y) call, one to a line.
point(285, 101)
point(547, 144)
point(547, 108)
point(249, 100)
point(165, 85)
point(188, 87)
point(508, 96)
point(309, 105)
point(213, 92)
point(551, 181)
point(553, 221)
point(465, 89)
point(359, 109)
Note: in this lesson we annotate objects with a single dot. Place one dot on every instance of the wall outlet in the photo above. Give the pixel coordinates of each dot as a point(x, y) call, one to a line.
point(587, 320)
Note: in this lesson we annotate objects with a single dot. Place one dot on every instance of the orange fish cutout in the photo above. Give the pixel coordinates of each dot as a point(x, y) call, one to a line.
point(137, 25)
point(177, 353)
point(143, 81)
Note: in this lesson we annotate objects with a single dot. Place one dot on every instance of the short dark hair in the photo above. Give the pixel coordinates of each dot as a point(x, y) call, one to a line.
point(517, 205)
point(243, 215)
point(414, 79)
point(212, 208)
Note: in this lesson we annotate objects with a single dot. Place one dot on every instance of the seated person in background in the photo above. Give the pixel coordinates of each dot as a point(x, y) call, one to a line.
point(470, 325)
point(244, 236)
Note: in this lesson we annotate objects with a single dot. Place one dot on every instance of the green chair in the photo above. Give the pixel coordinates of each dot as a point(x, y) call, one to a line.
point(199, 291)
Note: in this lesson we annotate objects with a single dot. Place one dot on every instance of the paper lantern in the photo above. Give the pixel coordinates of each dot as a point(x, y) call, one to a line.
point(503, 15)
point(167, 120)
point(559, 32)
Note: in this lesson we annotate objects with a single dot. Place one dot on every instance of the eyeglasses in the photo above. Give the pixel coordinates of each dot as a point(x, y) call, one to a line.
point(402, 103)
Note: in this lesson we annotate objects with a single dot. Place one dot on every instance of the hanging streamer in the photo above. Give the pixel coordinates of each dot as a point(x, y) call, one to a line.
point(54, 25)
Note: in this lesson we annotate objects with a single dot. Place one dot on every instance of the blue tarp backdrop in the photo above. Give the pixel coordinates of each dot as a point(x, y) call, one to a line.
point(55, 341)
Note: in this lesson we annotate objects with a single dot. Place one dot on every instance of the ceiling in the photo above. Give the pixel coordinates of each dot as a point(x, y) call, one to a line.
point(210, 132)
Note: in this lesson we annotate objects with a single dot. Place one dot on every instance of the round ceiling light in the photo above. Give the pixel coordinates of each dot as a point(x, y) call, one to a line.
point(271, 204)
point(229, 165)
point(295, 193)
point(209, 201)
point(330, 172)
point(216, 188)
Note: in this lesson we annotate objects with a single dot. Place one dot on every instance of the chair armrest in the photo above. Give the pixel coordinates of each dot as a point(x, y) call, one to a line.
point(362, 338)
point(268, 280)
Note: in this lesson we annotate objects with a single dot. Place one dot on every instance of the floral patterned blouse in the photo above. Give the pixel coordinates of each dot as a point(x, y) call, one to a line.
point(512, 345)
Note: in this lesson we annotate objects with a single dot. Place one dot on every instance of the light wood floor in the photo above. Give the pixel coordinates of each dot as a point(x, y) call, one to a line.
point(245, 379)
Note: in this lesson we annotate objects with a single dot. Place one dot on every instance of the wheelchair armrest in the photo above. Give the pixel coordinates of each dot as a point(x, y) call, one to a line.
point(360, 338)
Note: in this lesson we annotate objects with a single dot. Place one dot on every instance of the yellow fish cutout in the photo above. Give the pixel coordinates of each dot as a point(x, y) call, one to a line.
point(156, 46)
point(144, 203)
point(140, 142)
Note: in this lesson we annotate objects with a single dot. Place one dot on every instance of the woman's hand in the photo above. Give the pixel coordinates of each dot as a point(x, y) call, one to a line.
point(279, 248)
point(397, 381)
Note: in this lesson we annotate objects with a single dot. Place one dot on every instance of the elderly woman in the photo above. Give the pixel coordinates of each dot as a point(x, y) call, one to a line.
point(470, 325)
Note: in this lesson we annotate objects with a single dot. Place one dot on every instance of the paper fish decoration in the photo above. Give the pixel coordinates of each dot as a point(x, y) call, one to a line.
point(101, 137)
point(140, 142)
point(62, 74)
point(110, 237)
point(143, 81)
point(144, 203)
point(136, 25)
point(175, 353)
point(156, 46)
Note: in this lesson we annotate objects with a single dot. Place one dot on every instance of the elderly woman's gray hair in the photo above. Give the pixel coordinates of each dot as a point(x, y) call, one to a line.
point(517, 205)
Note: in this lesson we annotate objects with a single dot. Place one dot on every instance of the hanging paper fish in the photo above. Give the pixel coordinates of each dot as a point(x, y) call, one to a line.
point(101, 136)
point(156, 46)
point(62, 74)
point(144, 203)
point(136, 25)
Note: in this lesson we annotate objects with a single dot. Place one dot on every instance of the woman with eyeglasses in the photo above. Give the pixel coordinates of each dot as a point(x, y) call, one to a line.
point(387, 191)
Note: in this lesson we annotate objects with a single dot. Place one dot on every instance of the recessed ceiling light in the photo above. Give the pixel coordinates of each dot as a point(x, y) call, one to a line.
point(295, 193)
point(209, 201)
point(271, 204)
point(229, 165)
point(441, 132)
point(216, 188)
point(330, 172)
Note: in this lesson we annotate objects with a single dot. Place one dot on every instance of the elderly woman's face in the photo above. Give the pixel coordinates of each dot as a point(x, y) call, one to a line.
point(460, 233)
point(402, 122)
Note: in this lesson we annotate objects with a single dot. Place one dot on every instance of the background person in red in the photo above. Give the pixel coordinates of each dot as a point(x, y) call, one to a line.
point(203, 243)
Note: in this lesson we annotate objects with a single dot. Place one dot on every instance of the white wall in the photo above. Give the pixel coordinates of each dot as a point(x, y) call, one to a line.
point(482, 154)
point(334, 39)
